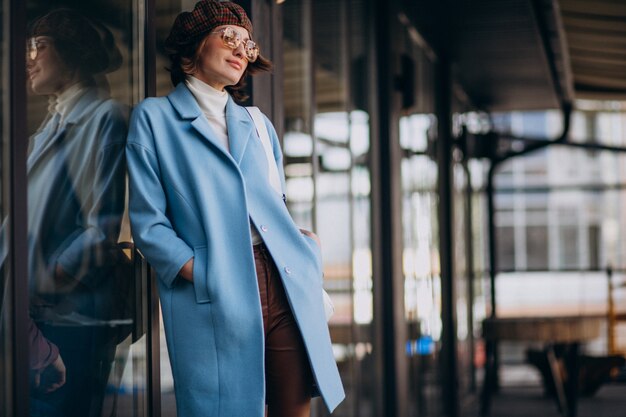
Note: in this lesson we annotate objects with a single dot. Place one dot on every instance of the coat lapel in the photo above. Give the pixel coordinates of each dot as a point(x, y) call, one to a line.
point(238, 122)
point(185, 103)
point(45, 141)
point(240, 129)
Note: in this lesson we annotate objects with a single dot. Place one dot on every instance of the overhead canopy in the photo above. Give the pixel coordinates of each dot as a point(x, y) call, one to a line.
point(596, 36)
point(530, 54)
point(510, 55)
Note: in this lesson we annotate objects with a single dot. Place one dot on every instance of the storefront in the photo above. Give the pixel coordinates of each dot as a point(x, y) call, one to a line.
point(365, 111)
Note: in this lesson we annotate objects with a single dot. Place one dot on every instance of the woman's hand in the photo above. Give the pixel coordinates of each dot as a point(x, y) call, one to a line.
point(52, 377)
point(312, 236)
point(187, 270)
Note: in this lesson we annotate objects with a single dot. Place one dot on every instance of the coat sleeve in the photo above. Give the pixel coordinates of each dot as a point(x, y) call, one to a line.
point(151, 228)
point(41, 351)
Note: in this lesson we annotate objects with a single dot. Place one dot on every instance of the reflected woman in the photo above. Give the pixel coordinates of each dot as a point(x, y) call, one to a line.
point(76, 191)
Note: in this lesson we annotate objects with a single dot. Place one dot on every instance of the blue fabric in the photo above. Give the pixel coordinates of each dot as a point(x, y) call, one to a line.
point(76, 192)
point(190, 198)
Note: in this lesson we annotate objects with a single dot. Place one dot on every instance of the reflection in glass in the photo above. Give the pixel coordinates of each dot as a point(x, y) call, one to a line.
point(80, 277)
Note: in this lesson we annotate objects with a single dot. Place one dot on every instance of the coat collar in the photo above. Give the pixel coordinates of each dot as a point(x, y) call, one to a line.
point(238, 122)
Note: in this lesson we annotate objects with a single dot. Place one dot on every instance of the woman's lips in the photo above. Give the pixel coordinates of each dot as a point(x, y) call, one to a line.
point(235, 64)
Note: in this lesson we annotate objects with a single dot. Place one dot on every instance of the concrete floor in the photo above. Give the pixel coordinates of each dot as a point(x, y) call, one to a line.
point(528, 401)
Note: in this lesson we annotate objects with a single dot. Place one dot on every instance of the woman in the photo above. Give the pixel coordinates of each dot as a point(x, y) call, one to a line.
point(240, 285)
point(76, 191)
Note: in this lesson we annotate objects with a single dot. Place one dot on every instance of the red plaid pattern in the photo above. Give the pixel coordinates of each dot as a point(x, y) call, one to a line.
point(206, 16)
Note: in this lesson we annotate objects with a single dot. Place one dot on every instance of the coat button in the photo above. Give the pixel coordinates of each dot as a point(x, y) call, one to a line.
point(263, 228)
point(288, 270)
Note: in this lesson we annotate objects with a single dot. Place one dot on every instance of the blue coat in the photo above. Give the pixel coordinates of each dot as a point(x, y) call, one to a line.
point(190, 197)
point(76, 192)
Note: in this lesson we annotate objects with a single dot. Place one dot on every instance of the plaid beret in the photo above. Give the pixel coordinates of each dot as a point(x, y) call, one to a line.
point(206, 16)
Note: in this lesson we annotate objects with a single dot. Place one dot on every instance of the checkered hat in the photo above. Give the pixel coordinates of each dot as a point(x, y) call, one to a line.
point(206, 16)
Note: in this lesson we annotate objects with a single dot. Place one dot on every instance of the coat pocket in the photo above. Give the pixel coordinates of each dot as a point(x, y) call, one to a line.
point(200, 277)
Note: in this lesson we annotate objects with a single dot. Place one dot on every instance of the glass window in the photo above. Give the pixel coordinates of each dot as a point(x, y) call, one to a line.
point(84, 73)
point(505, 236)
point(537, 247)
point(326, 148)
point(420, 257)
point(298, 106)
point(568, 246)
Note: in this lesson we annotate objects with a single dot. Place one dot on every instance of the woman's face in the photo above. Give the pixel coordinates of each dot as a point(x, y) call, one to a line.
point(47, 73)
point(218, 65)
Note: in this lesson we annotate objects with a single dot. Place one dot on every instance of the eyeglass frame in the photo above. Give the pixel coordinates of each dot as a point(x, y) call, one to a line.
point(33, 46)
point(238, 41)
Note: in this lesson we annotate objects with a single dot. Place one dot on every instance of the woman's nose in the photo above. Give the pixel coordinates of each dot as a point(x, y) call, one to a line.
point(239, 51)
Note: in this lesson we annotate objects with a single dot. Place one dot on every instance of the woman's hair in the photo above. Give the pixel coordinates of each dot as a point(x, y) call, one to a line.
point(184, 61)
point(83, 44)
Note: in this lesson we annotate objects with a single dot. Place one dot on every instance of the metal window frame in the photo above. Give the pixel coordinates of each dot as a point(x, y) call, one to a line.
point(18, 258)
point(153, 354)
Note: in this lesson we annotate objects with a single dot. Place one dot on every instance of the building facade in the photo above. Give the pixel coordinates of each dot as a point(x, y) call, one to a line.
point(369, 109)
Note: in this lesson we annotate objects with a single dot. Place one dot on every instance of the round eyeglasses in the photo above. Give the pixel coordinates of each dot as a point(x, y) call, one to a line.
point(34, 46)
point(232, 39)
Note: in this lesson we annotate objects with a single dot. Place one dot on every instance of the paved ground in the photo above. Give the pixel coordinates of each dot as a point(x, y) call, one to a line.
point(528, 401)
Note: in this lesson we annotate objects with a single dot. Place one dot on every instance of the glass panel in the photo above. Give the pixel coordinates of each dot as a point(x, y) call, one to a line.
point(333, 179)
point(297, 99)
point(326, 150)
point(422, 281)
point(537, 247)
point(463, 302)
point(86, 302)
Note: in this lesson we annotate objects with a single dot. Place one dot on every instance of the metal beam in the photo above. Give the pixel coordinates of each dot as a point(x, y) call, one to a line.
point(16, 23)
point(449, 363)
point(389, 322)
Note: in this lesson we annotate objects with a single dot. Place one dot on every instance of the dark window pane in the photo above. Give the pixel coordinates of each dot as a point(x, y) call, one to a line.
point(505, 248)
point(568, 247)
point(536, 247)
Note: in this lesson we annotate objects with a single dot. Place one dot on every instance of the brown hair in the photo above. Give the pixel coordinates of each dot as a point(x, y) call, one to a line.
point(184, 61)
point(83, 44)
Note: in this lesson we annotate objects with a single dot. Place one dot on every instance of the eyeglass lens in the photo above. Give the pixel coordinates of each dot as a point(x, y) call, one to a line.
point(33, 47)
point(232, 39)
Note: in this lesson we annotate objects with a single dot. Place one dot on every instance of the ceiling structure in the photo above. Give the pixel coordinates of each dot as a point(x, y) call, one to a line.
point(530, 54)
point(596, 38)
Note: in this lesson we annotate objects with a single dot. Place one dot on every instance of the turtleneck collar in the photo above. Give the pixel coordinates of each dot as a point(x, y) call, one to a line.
point(65, 101)
point(212, 102)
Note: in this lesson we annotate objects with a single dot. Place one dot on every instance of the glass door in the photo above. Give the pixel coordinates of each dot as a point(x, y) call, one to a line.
point(87, 300)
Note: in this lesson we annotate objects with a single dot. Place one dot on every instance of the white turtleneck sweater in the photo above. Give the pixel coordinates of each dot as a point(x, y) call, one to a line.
point(212, 102)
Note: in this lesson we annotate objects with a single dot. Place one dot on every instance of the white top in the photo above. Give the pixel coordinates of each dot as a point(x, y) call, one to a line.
point(212, 102)
point(64, 102)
